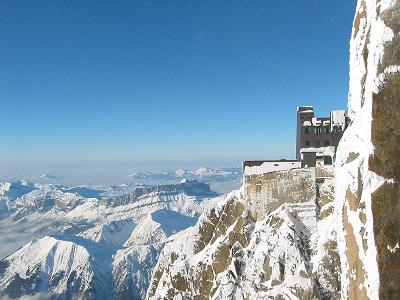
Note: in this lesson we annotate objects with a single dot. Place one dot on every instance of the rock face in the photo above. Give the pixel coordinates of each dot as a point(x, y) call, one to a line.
point(318, 237)
point(189, 187)
point(368, 158)
point(266, 192)
point(355, 251)
point(231, 255)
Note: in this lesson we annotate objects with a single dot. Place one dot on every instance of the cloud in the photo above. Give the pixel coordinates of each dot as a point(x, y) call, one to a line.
point(37, 296)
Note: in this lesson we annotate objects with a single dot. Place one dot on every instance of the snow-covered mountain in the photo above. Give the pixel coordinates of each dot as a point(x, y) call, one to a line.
point(16, 189)
point(91, 247)
point(175, 242)
point(59, 266)
point(106, 248)
point(231, 255)
point(48, 176)
point(203, 173)
point(353, 252)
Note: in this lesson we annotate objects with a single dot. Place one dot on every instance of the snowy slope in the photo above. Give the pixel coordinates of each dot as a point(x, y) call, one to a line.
point(88, 247)
point(16, 189)
point(9, 191)
point(229, 255)
point(59, 267)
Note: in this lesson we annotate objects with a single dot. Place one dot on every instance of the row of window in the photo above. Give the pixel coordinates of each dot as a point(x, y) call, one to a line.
point(323, 129)
point(316, 143)
point(316, 130)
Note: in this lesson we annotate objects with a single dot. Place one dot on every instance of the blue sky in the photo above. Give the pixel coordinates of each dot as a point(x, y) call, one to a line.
point(166, 81)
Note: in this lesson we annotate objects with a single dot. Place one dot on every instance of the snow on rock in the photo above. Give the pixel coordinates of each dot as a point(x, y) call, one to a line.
point(44, 198)
point(204, 171)
point(147, 232)
point(326, 260)
point(10, 191)
point(144, 246)
point(51, 265)
point(132, 270)
point(48, 176)
point(181, 172)
point(229, 255)
point(210, 174)
point(270, 166)
point(114, 232)
point(368, 158)
point(101, 251)
point(16, 189)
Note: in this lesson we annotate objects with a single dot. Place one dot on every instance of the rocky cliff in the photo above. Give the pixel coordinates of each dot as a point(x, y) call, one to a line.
point(368, 158)
point(284, 235)
point(354, 250)
point(231, 255)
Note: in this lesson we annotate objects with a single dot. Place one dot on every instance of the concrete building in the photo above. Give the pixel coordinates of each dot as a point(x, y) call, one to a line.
point(268, 184)
point(318, 137)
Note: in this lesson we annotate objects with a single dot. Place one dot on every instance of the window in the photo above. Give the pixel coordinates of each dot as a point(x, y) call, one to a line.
point(326, 143)
point(317, 143)
point(337, 130)
point(317, 130)
point(327, 160)
point(306, 130)
point(307, 143)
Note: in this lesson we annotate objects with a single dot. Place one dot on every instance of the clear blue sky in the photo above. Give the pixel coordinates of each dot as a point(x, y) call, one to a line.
point(166, 80)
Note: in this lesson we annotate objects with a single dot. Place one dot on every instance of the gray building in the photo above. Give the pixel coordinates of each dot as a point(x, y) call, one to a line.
point(318, 137)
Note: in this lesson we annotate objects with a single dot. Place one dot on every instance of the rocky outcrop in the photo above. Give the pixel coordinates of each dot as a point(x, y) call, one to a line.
point(266, 192)
point(368, 158)
point(231, 255)
point(326, 260)
point(355, 251)
point(188, 187)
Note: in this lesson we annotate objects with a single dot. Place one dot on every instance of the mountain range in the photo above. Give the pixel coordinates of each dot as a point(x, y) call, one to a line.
point(84, 242)
point(203, 173)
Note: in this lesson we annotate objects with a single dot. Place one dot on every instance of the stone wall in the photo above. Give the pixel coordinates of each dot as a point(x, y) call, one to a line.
point(266, 192)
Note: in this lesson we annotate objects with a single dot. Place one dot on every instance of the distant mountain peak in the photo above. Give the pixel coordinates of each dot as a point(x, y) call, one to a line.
point(48, 176)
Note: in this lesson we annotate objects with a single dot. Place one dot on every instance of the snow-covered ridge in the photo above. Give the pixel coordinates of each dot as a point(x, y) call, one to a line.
point(230, 255)
point(205, 173)
point(188, 187)
point(83, 246)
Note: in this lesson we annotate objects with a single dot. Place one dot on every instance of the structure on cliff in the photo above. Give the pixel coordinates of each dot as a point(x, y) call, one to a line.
point(318, 137)
point(355, 251)
point(271, 183)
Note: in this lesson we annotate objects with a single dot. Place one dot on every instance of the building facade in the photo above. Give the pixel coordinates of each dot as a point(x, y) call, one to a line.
point(269, 184)
point(318, 137)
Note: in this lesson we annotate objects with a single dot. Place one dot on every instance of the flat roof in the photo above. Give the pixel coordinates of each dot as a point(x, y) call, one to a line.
point(305, 107)
point(257, 163)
